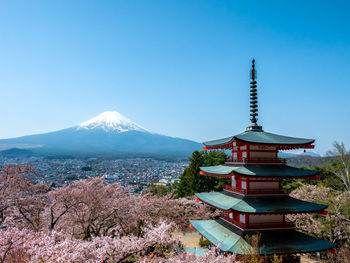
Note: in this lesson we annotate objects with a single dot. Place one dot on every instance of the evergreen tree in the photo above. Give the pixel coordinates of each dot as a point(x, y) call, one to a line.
point(190, 179)
point(192, 182)
point(211, 183)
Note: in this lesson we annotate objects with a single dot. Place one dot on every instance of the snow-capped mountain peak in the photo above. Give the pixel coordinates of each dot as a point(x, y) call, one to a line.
point(111, 121)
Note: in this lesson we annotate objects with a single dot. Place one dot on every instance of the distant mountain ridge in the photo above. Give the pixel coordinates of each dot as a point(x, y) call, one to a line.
point(306, 161)
point(16, 152)
point(109, 133)
point(291, 155)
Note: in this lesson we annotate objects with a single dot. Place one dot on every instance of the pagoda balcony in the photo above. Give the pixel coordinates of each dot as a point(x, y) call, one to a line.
point(255, 160)
point(256, 226)
point(286, 224)
point(255, 191)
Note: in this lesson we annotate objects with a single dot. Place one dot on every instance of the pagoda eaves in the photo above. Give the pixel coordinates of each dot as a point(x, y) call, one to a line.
point(259, 205)
point(259, 171)
point(260, 138)
point(231, 239)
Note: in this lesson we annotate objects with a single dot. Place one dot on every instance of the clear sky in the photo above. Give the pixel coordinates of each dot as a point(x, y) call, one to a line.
point(179, 68)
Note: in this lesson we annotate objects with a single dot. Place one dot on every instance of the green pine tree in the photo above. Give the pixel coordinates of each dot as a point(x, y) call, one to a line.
point(190, 179)
point(192, 182)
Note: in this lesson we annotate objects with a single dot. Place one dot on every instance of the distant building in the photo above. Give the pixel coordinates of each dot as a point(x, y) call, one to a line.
point(163, 181)
point(113, 177)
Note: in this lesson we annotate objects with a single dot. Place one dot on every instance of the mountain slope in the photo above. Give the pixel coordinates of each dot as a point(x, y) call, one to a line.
point(109, 133)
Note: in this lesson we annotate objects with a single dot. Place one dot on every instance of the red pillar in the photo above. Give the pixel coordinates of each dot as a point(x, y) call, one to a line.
point(247, 182)
point(248, 153)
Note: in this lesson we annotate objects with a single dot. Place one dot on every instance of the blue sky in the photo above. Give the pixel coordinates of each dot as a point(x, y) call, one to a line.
point(179, 68)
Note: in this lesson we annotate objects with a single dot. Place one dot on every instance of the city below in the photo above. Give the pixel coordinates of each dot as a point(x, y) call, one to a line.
point(138, 173)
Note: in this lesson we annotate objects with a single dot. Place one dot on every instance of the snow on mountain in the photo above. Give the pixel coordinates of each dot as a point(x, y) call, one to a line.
point(111, 121)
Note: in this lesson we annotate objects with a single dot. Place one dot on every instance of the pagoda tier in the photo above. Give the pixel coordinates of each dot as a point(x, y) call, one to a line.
point(257, 138)
point(258, 147)
point(259, 171)
point(232, 239)
point(258, 179)
point(266, 212)
point(259, 204)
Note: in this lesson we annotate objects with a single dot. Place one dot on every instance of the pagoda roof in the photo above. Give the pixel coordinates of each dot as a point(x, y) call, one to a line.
point(262, 204)
point(259, 170)
point(261, 137)
point(231, 239)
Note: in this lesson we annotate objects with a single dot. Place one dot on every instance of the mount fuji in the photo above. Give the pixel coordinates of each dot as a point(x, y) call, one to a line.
point(111, 121)
point(109, 133)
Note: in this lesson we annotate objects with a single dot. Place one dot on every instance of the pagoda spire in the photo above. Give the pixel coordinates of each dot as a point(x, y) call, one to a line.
point(253, 101)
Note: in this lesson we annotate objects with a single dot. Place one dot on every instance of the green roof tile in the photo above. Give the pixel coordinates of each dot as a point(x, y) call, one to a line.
point(220, 235)
point(259, 170)
point(262, 204)
point(260, 137)
point(233, 240)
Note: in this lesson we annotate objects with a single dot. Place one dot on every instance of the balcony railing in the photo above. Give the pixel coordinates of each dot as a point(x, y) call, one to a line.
point(267, 225)
point(236, 223)
point(255, 191)
point(286, 224)
point(254, 160)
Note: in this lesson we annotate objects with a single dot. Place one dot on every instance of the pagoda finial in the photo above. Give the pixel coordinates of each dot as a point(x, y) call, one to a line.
point(253, 101)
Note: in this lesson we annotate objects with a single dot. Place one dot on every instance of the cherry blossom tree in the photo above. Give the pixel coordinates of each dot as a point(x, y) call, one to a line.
point(22, 194)
point(342, 157)
point(29, 246)
point(91, 221)
point(93, 208)
point(335, 226)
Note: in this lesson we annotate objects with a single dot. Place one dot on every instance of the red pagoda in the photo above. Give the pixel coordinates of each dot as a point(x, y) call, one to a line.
point(254, 201)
